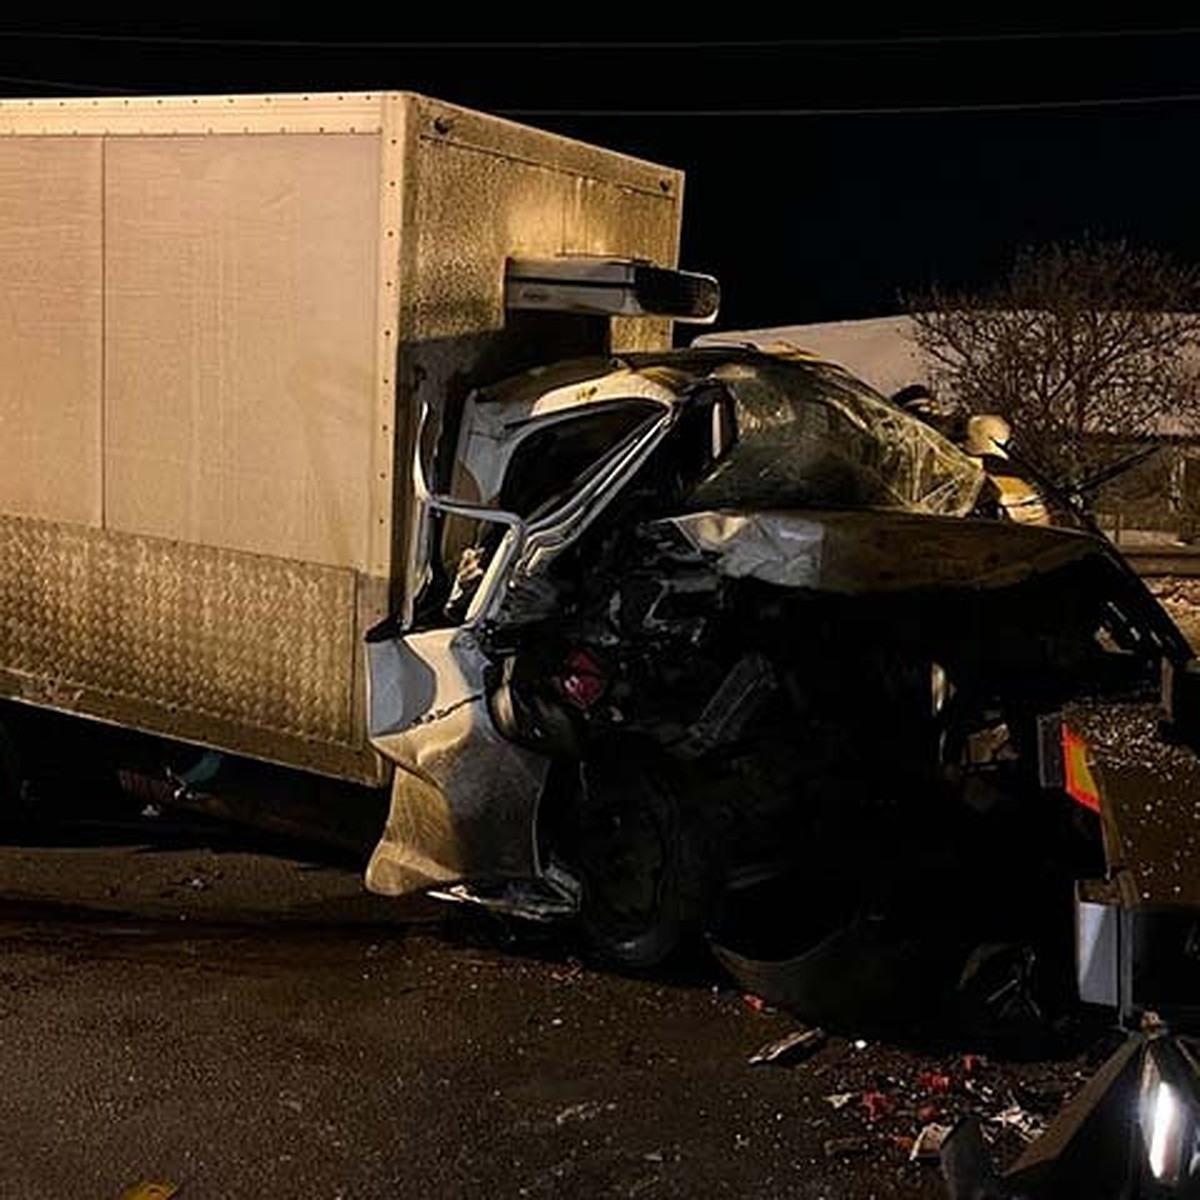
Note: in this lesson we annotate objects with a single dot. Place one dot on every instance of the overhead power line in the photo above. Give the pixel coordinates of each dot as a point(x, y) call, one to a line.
point(1065, 104)
point(890, 110)
point(760, 114)
point(921, 39)
point(100, 89)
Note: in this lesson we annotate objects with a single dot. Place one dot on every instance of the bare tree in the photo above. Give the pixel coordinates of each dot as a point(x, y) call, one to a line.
point(1080, 345)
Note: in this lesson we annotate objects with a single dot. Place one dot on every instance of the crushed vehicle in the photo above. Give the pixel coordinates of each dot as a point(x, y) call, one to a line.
point(699, 621)
point(719, 638)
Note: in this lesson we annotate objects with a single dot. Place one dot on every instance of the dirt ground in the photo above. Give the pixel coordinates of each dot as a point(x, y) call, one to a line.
point(1181, 598)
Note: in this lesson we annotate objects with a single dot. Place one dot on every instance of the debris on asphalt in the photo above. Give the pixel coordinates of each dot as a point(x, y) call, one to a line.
point(150, 1191)
point(846, 1146)
point(797, 1044)
point(754, 1003)
point(1028, 1125)
point(201, 879)
point(980, 1090)
point(928, 1143)
point(877, 1105)
point(934, 1081)
point(1180, 596)
point(898, 1108)
point(585, 1111)
point(571, 973)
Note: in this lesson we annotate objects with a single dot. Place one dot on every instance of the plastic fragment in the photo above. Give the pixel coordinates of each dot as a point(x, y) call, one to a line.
point(834, 1147)
point(878, 1104)
point(570, 974)
point(1026, 1124)
point(587, 1110)
point(795, 1045)
point(928, 1143)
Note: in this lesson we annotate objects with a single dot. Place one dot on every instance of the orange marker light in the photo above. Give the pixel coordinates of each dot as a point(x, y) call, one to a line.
point(1079, 782)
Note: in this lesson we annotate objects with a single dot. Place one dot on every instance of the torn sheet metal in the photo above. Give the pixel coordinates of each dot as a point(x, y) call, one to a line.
point(498, 420)
point(774, 547)
point(859, 552)
point(792, 1046)
point(464, 799)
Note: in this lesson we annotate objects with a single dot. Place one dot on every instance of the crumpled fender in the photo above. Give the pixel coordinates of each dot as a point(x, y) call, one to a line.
point(464, 800)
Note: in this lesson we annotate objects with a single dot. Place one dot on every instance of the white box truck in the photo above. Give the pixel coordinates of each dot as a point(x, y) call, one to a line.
point(219, 318)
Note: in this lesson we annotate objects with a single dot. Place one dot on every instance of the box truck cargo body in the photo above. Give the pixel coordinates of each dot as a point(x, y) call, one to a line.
point(219, 319)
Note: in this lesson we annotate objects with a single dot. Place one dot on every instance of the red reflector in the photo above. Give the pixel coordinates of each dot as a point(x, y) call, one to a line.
point(583, 683)
point(1078, 780)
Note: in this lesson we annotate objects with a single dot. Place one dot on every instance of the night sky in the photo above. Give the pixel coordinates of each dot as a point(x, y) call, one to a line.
point(828, 175)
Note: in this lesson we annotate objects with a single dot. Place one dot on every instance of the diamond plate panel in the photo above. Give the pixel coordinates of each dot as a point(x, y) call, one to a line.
point(195, 634)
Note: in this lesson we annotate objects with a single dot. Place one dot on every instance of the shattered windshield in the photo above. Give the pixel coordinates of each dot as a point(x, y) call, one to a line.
point(811, 435)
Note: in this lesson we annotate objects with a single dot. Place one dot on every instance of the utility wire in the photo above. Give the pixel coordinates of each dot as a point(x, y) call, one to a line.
point(760, 114)
point(66, 86)
point(896, 110)
point(1054, 35)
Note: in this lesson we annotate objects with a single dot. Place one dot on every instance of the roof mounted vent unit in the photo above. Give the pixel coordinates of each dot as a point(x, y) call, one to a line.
point(614, 287)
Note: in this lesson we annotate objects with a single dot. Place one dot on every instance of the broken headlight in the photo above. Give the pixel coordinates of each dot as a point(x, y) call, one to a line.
point(1168, 1112)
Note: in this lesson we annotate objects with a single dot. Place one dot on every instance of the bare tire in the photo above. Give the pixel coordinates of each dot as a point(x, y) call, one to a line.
point(637, 859)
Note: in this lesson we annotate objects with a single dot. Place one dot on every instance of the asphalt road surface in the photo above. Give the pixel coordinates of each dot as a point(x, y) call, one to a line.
point(240, 1021)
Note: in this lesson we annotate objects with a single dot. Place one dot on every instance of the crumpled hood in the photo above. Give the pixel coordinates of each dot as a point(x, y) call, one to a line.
point(858, 552)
